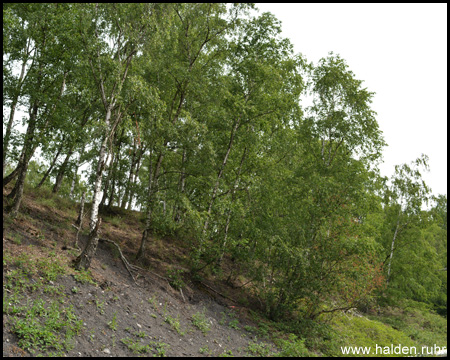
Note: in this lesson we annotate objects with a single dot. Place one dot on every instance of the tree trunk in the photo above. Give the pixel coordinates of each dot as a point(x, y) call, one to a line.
point(79, 221)
point(84, 260)
point(113, 187)
point(13, 107)
point(28, 150)
point(392, 250)
point(219, 175)
point(233, 192)
point(51, 165)
point(130, 176)
point(112, 173)
point(135, 177)
point(181, 187)
point(61, 172)
point(7, 179)
point(23, 166)
point(8, 131)
point(148, 218)
point(74, 179)
point(108, 180)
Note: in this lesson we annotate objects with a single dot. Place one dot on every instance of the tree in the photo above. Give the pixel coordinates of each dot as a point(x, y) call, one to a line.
point(257, 94)
point(127, 26)
point(45, 83)
point(194, 42)
point(18, 47)
point(307, 242)
point(406, 195)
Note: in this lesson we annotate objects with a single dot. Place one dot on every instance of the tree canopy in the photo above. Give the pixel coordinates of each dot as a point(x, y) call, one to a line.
point(192, 114)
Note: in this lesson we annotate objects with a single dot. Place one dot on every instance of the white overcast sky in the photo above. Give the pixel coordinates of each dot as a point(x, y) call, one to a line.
point(400, 51)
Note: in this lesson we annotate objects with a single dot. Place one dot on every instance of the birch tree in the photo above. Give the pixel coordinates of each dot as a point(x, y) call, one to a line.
point(112, 35)
point(193, 45)
point(404, 199)
point(45, 84)
point(259, 93)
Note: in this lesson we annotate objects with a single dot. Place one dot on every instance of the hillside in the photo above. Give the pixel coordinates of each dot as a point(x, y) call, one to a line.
point(110, 313)
point(50, 309)
point(235, 199)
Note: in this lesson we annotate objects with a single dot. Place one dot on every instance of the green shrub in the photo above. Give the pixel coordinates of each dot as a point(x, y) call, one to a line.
point(175, 278)
point(84, 277)
point(293, 347)
point(201, 322)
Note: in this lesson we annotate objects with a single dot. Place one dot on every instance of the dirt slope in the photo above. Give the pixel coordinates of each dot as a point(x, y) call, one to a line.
point(117, 316)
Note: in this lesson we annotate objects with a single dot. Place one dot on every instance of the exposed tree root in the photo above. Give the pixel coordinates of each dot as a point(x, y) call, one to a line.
point(224, 296)
point(128, 266)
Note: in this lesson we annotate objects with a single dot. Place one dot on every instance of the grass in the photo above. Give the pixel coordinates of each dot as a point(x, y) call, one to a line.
point(84, 277)
point(137, 347)
point(234, 324)
point(16, 238)
point(417, 322)
point(292, 347)
point(42, 327)
point(226, 353)
point(140, 334)
point(50, 269)
point(259, 349)
point(153, 302)
point(113, 323)
point(44, 196)
point(114, 220)
point(205, 350)
point(100, 306)
point(362, 332)
point(200, 321)
point(175, 323)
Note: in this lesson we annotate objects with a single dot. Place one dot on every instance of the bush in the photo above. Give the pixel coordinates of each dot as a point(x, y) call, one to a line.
point(176, 280)
point(293, 347)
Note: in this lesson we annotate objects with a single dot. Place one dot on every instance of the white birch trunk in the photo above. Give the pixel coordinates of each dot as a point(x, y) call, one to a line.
point(392, 253)
point(72, 187)
point(392, 245)
point(97, 197)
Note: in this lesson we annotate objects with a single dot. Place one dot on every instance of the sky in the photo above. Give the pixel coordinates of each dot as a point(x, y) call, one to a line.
point(400, 51)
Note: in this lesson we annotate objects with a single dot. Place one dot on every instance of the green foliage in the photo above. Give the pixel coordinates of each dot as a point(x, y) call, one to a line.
point(192, 112)
point(136, 347)
point(113, 323)
point(205, 350)
point(234, 324)
point(293, 347)
point(200, 321)
point(417, 321)
point(411, 238)
point(41, 327)
point(100, 306)
point(362, 332)
point(176, 279)
point(33, 336)
point(259, 349)
point(50, 269)
point(175, 323)
point(84, 277)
